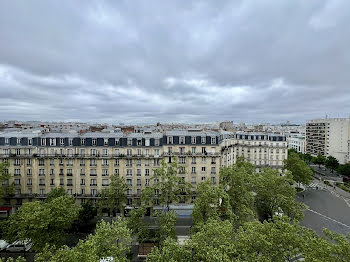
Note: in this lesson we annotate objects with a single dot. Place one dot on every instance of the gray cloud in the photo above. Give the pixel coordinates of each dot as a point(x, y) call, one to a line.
point(174, 61)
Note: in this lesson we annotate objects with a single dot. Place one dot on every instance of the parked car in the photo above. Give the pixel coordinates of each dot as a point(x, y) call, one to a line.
point(19, 246)
point(3, 244)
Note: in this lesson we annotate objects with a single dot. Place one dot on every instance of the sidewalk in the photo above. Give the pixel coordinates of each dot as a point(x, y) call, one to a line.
point(337, 190)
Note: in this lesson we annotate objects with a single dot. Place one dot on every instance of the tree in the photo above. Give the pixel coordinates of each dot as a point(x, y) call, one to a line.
point(238, 181)
point(211, 202)
point(301, 172)
point(344, 170)
point(319, 160)
point(55, 193)
point(167, 186)
point(308, 158)
point(332, 163)
point(114, 196)
point(42, 222)
point(278, 240)
point(170, 251)
point(110, 240)
point(87, 212)
point(166, 225)
point(137, 225)
point(5, 176)
point(10, 259)
point(275, 195)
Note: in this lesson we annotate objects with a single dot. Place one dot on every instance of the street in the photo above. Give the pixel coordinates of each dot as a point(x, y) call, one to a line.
point(326, 209)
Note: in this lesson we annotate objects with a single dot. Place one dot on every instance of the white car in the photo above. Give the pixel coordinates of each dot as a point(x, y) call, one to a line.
point(19, 246)
point(3, 244)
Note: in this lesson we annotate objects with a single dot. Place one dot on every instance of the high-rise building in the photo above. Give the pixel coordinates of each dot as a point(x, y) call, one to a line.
point(328, 137)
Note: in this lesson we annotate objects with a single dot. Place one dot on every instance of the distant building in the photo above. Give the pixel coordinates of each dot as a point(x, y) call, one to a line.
point(297, 142)
point(226, 125)
point(328, 137)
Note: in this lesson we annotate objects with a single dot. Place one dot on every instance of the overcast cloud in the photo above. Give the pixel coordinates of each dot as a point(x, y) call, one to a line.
point(174, 61)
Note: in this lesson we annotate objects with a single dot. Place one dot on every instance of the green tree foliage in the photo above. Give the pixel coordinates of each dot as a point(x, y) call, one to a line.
point(279, 240)
point(55, 193)
point(274, 194)
point(10, 259)
point(211, 202)
point(238, 181)
point(301, 172)
point(167, 186)
point(319, 160)
point(87, 212)
point(332, 163)
point(137, 225)
point(166, 225)
point(42, 222)
point(344, 170)
point(110, 240)
point(114, 196)
point(5, 176)
point(307, 158)
point(170, 251)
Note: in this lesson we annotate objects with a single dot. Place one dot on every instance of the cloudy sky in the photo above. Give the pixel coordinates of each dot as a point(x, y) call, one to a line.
point(174, 61)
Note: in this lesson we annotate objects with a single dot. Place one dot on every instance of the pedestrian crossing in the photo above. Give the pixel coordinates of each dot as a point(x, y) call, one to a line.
point(317, 186)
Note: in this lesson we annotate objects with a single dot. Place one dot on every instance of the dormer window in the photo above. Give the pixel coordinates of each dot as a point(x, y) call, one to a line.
point(139, 142)
point(170, 140)
point(106, 141)
point(156, 142)
point(70, 141)
point(43, 142)
point(193, 139)
point(94, 141)
point(213, 140)
point(83, 141)
point(203, 139)
point(62, 141)
point(182, 140)
point(18, 141)
point(6, 141)
point(129, 141)
point(52, 141)
point(30, 141)
point(117, 143)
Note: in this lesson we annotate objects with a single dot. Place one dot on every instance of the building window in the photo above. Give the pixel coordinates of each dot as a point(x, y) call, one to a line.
point(106, 142)
point(117, 142)
point(193, 150)
point(104, 172)
point(129, 182)
point(105, 182)
point(83, 141)
point(203, 139)
point(129, 172)
point(182, 140)
point(116, 172)
point(62, 141)
point(93, 182)
point(42, 191)
point(82, 181)
point(105, 152)
point(170, 140)
point(193, 139)
point(203, 168)
point(29, 181)
point(156, 142)
point(116, 162)
point(193, 170)
point(138, 172)
point(129, 141)
point(94, 141)
point(147, 182)
point(146, 172)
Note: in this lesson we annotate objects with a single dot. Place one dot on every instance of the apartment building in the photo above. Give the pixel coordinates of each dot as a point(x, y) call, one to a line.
point(261, 149)
point(328, 137)
point(83, 164)
point(297, 142)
